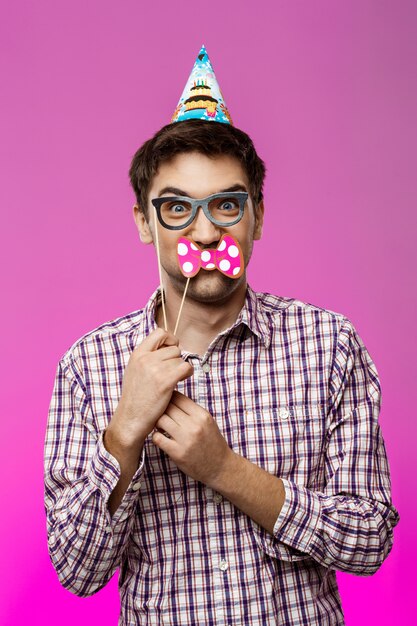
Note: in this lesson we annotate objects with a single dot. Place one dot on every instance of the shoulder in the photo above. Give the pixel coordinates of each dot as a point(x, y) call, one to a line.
point(271, 303)
point(301, 320)
point(313, 327)
point(109, 333)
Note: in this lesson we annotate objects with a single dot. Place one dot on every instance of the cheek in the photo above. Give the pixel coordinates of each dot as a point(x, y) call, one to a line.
point(168, 252)
point(168, 241)
point(245, 235)
point(246, 243)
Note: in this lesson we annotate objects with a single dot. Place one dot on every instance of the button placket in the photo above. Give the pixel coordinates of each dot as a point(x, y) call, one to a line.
point(123, 516)
point(200, 381)
point(214, 499)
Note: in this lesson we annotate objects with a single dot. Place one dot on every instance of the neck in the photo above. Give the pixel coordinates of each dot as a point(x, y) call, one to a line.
point(200, 322)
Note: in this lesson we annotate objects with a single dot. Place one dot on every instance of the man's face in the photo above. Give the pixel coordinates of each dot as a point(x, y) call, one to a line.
point(196, 175)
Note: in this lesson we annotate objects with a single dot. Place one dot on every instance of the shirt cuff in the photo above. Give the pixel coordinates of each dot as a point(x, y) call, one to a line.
point(104, 474)
point(294, 527)
point(299, 517)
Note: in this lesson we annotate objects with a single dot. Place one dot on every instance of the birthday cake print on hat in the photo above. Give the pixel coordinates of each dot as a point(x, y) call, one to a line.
point(202, 98)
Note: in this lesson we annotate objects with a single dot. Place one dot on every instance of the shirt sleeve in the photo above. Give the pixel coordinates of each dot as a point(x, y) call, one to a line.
point(85, 543)
point(348, 526)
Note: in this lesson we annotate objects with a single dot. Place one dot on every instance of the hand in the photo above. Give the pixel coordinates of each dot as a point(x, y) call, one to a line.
point(196, 444)
point(154, 369)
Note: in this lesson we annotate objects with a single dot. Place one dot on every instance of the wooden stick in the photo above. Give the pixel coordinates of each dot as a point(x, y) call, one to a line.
point(182, 304)
point(160, 270)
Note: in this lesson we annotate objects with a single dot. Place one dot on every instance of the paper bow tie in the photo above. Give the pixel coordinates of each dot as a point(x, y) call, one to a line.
point(227, 257)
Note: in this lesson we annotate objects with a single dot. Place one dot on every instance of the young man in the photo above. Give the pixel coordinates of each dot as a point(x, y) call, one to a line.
point(231, 468)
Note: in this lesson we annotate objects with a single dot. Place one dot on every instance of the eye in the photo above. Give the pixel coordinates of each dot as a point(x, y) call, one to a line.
point(177, 208)
point(228, 205)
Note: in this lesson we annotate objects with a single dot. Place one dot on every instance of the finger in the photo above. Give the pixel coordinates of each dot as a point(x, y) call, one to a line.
point(187, 371)
point(164, 432)
point(176, 414)
point(167, 352)
point(170, 339)
point(183, 402)
point(163, 443)
point(178, 369)
point(167, 424)
point(156, 340)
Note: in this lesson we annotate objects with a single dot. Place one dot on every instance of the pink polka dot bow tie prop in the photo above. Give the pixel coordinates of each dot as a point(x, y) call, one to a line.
point(227, 257)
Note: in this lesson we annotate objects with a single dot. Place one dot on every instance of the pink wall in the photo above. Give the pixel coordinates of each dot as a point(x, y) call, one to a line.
point(326, 91)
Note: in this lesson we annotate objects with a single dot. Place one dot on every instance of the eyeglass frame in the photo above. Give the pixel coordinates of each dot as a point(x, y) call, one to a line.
point(196, 203)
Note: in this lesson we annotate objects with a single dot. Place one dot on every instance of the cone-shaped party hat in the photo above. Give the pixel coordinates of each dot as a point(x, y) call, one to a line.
point(202, 98)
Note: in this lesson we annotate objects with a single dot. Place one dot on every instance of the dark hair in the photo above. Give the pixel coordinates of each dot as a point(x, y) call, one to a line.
point(210, 138)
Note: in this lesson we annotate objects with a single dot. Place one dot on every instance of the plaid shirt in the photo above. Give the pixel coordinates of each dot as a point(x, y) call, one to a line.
point(292, 388)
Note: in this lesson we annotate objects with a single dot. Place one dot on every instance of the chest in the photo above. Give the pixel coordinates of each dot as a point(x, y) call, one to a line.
point(269, 403)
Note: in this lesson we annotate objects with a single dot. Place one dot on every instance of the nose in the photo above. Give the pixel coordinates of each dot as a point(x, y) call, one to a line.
point(203, 231)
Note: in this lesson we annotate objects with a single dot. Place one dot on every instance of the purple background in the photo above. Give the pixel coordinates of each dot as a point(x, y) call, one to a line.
point(327, 90)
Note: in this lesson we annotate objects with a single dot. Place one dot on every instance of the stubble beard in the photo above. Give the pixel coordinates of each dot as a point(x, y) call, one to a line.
point(206, 287)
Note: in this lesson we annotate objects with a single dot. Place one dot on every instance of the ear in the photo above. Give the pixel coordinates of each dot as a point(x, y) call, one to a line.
point(259, 220)
point(145, 234)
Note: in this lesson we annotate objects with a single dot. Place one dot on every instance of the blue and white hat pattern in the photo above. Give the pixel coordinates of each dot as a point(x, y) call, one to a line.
point(202, 98)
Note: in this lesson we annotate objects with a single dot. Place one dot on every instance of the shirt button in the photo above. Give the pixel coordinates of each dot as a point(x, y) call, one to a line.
point(284, 413)
point(217, 498)
point(223, 565)
point(136, 486)
point(206, 368)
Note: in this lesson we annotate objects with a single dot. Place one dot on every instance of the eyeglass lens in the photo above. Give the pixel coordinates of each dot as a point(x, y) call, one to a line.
point(178, 212)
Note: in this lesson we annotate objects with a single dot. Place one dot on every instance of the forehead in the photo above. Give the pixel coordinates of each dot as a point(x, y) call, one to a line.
point(198, 174)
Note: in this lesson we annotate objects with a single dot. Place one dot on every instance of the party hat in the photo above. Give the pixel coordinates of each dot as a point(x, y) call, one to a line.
point(202, 98)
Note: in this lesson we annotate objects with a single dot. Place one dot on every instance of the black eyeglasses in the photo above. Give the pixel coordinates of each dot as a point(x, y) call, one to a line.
point(222, 209)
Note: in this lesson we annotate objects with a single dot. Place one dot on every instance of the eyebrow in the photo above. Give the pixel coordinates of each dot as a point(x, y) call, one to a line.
point(181, 192)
